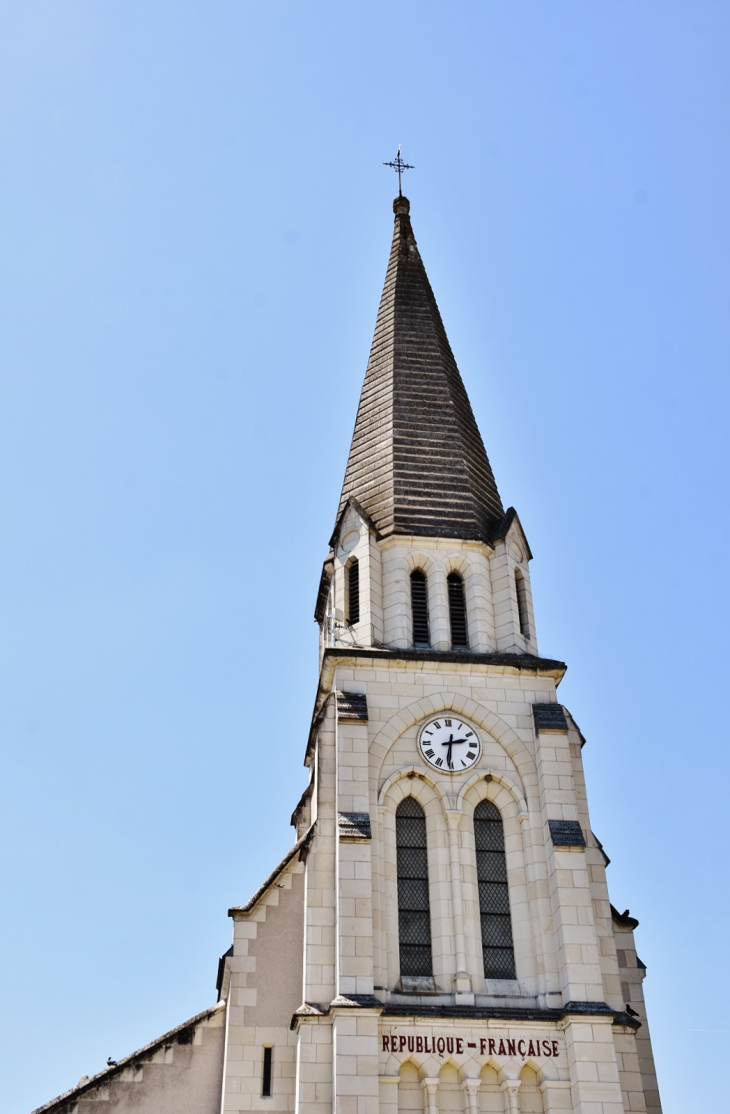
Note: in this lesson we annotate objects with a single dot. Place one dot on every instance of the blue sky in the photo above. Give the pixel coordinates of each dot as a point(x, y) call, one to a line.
point(195, 224)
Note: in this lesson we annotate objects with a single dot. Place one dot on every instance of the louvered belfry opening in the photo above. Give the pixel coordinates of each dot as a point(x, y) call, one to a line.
point(414, 914)
point(457, 611)
point(419, 608)
point(522, 604)
point(497, 946)
point(353, 592)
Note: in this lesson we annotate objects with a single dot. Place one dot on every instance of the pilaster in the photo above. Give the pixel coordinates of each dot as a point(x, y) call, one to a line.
point(354, 863)
point(593, 1067)
point(314, 1067)
point(320, 900)
point(462, 980)
point(579, 957)
point(355, 1061)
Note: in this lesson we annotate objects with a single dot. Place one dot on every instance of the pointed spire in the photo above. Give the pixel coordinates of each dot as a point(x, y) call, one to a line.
point(417, 462)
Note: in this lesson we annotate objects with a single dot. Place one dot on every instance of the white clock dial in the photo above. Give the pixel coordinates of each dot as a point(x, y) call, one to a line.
point(449, 744)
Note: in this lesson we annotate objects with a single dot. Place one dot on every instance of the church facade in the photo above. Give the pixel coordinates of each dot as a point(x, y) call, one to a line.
point(440, 937)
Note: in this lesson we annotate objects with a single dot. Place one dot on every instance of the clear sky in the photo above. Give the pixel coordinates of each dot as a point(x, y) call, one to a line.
point(195, 224)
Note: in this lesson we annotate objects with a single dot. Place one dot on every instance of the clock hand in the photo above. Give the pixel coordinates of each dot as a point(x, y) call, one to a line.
point(453, 742)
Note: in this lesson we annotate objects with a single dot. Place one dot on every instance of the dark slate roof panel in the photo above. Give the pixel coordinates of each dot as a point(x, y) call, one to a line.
point(417, 462)
point(566, 833)
point(549, 717)
point(354, 826)
point(352, 706)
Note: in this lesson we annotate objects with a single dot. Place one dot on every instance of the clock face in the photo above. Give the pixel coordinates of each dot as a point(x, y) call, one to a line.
point(449, 744)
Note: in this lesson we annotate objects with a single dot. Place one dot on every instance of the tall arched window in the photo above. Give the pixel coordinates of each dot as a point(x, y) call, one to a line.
point(499, 956)
point(414, 913)
point(522, 603)
point(353, 592)
point(419, 608)
point(457, 611)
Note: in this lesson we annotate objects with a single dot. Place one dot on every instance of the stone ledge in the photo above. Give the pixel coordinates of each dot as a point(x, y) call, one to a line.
point(528, 662)
point(465, 1013)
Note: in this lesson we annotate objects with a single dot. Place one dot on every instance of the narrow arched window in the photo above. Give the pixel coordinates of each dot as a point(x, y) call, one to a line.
point(457, 611)
point(414, 914)
point(497, 947)
point(522, 603)
point(419, 608)
point(353, 592)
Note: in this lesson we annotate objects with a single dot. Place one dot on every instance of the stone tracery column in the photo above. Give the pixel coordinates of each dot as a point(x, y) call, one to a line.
point(431, 1087)
point(510, 1087)
point(462, 982)
point(471, 1086)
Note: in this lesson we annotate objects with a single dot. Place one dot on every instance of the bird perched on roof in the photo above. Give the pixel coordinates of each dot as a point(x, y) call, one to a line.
point(110, 1063)
point(630, 1012)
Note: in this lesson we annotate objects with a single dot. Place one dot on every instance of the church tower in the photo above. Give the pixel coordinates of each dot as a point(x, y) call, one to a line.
point(440, 937)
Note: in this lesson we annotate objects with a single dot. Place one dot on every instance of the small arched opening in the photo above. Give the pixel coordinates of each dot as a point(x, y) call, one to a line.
point(353, 592)
point(457, 611)
point(419, 608)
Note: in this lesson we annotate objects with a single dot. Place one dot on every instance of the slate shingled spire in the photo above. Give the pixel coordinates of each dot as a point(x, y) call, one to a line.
point(417, 462)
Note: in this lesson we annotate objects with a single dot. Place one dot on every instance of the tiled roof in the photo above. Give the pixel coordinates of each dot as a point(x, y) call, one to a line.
point(417, 462)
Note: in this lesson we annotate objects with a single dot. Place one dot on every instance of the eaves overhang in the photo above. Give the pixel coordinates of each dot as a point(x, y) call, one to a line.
point(391, 1011)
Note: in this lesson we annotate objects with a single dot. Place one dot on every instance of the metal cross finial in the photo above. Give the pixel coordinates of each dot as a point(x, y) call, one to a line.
point(399, 166)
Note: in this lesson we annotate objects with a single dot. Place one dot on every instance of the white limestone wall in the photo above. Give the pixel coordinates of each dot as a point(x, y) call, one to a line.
point(436, 557)
point(262, 987)
point(357, 541)
point(385, 600)
point(497, 702)
point(354, 870)
point(558, 898)
point(314, 1069)
point(509, 555)
point(320, 902)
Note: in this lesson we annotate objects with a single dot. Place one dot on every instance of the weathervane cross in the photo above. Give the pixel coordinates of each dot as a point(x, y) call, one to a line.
point(399, 166)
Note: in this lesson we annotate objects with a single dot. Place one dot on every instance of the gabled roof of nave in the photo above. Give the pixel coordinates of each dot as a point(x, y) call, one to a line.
point(417, 462)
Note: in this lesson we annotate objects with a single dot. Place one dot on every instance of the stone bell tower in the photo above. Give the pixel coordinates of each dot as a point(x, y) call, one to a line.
point(473, 958)
point(440, 937)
